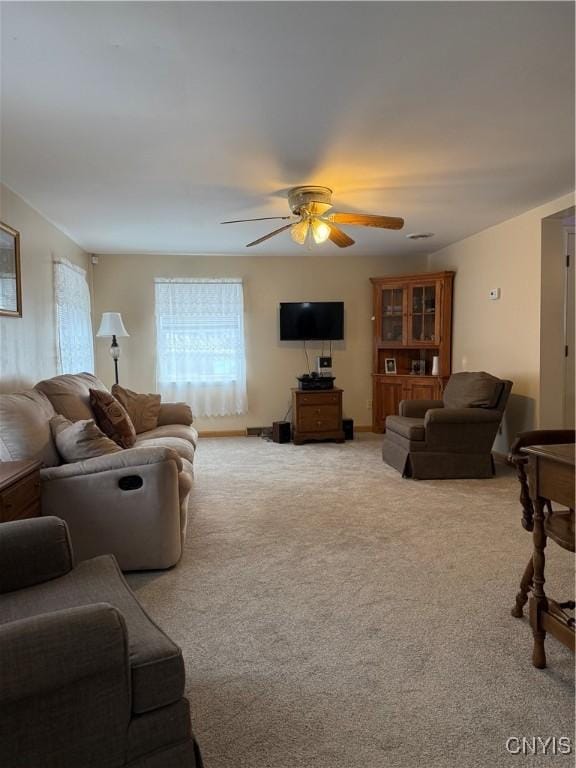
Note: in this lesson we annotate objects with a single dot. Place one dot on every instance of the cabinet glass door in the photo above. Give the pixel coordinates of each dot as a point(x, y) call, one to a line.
point(392, 315)
point(423, 313)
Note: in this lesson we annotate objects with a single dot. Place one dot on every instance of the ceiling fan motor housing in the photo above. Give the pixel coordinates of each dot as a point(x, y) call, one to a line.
point(300, 198)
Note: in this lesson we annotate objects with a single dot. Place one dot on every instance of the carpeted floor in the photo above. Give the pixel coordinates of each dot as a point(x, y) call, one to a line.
point(333, 615)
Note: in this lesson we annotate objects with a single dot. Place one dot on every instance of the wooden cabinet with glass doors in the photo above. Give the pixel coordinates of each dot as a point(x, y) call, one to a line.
point(412, 326)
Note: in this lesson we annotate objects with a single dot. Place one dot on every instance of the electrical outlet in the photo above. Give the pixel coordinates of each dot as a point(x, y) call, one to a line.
point(368, 404)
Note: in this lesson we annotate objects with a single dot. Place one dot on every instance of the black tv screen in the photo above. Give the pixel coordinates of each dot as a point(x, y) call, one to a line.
point(312, 320)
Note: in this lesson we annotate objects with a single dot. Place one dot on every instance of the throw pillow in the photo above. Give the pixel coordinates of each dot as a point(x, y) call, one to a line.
point(142, 409)
point(112, 418)
point(79, 440)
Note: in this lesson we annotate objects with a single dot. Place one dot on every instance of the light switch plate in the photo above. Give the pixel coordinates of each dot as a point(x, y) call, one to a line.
point(494, 293)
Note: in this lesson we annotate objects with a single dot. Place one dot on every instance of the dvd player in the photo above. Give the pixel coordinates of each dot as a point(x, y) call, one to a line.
point(311, 381)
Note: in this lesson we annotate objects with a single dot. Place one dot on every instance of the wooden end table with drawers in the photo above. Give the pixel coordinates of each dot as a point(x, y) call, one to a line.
point(19, 490)
point(317, 415)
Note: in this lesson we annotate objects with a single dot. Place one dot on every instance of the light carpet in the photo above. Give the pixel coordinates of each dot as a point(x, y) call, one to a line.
point(333, 614)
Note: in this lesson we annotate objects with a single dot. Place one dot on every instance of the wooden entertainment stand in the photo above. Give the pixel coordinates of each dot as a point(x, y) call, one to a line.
point(317, 415)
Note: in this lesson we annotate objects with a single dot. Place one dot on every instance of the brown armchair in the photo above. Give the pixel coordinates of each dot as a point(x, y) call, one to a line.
point(86, 677)
point(452, 437)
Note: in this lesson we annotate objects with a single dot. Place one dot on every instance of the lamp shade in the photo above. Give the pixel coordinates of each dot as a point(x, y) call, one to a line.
point(112, 325)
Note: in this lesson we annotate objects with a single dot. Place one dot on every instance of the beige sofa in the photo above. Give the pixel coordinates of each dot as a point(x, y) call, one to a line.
point(133, 503)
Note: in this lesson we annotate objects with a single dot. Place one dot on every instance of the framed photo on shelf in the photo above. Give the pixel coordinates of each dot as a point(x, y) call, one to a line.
point(390, 365)
point(418, 367)
point(10, 281)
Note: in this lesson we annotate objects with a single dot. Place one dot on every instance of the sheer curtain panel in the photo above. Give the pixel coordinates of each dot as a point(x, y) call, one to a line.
point(75, 345)
point(200, 355)
point(8, 296)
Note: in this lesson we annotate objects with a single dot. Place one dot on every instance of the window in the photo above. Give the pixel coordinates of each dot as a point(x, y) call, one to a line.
point(73, 320)
point(200, 344)
point(8, 294)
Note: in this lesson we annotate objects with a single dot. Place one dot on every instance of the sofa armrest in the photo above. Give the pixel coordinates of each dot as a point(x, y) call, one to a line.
point(65, 693)
point(461, 416)
point(33, 551)
point(416, 409)
point(175, 413)
point(126, 459)
point(78, 642)
point(132, 512)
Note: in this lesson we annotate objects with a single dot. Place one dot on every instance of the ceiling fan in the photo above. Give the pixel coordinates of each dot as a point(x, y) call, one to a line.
point(311, 223)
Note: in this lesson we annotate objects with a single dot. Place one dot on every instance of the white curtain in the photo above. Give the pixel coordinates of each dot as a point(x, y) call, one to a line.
point(8, 295)
point(75, 345)
point(200, 355)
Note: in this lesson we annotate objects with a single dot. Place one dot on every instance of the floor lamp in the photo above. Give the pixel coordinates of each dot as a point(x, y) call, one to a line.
point(111, 325)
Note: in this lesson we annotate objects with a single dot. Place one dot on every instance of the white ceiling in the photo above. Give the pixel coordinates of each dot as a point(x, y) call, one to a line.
point(139, 127)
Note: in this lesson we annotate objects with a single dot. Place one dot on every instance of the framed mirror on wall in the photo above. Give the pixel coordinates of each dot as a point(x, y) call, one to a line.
point(10, 277)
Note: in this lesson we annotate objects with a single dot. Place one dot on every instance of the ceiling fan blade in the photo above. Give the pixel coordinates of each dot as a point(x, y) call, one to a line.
point(264, 218)
point(338, 237)
point(367, 220)
point(269, 235)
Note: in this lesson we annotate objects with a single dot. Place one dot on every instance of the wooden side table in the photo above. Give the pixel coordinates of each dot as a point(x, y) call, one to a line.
point(317, 415)
point(551, 479)
point(19, 490)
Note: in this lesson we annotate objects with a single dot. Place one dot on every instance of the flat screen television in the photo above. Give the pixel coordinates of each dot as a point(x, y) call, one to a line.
point(312, 320)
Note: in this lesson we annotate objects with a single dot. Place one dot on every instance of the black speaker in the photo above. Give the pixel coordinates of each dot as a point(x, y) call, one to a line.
point(281, 431)
point(348, 427)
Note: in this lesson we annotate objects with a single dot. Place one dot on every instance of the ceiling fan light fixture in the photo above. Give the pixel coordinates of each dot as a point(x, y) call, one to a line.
point(299, 231)
point(320, 231)
point(318, 209)
point(311, 199)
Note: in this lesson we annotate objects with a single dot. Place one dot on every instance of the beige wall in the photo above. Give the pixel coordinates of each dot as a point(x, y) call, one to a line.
point(124, 283)
point(28, 344)
point(501, 337)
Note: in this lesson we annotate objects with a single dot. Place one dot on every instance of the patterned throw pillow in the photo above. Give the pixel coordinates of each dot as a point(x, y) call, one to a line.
point(142, 409)
point(112, 418)
point(80, 440)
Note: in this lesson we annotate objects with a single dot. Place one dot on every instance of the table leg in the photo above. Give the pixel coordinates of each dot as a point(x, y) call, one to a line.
point(538, 604)
point(525, 500)
point(525, 587)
